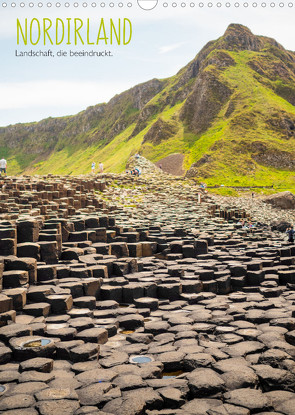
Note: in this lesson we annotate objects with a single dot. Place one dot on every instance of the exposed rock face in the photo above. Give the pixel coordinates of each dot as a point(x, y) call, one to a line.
point(283, 200)
point(277, 159)
point(283, 123)
point(160, 131)
point(194, 169)
point(205, 102)
point(238, 37)
point(269, 156)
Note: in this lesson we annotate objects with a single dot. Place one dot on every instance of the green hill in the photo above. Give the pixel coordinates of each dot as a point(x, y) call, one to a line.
point(230, 112)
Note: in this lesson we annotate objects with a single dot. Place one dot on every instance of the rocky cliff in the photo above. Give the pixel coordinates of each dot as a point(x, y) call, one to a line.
point(230, 113)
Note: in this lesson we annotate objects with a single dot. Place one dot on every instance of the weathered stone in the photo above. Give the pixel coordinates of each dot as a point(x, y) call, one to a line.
point(205, 382)
point(52, 407)
point(40, 364)
point(248, 398)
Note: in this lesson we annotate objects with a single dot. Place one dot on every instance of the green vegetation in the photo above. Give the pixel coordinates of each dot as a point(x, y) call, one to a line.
point(230, 112)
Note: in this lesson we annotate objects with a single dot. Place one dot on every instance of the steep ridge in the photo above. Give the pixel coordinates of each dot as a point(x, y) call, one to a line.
point(230, 112)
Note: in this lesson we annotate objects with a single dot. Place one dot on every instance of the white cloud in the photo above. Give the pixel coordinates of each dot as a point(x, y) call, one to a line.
point(18, 95)
point(34, 101)
point(169, 48)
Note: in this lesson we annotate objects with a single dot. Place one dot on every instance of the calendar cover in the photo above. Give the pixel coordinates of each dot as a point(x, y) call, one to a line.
point(203, 88)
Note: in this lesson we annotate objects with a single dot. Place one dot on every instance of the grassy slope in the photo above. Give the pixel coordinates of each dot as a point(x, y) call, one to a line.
point(254, 99)
point(232, 166)
point(254, 103)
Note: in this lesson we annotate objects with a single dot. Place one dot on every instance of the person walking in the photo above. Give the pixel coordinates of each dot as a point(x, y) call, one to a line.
point(290, 231)
point(93, 167)
point(3, 166)
point(100, 167)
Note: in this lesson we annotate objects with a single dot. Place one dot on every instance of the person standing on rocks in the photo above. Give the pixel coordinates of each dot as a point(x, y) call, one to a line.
point(100, 167)
point(290, 232)
point(3, 166)
point(93, 167)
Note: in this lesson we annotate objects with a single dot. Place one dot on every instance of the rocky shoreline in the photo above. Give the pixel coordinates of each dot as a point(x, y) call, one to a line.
point(129, 296)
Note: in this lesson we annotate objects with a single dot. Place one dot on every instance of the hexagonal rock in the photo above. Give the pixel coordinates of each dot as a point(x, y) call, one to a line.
point(131, 321)
point(63, 348)
point(85, 302)
point(14, 330)
point(151, 398)
point(244, 348)
point(156, 327)
point(84, 352)
point(37, 309)
point(205, 382)
point(63, 333)
point(172, 361)
point(252, 399)
point(27, 388)
point(200, 406)
point(50, 394)
point(72, 253)
point(94, 335)
point(33, 376)
point(19, 297)
point(82, 323)
point(147, 302)
point(119, 249)
point(60, 303)
point(273, 378)
point(145, 338)
point(8, 376)
point(227, 409)
point(16, 402)
point(7, 318)
point(40, 364)
point(92, 394)
point(242, 377)
point(116, 358)
point(134, 403)
point(28, 249)
point(28, 347)
point(173, 397)
point(96, 376)
point(25, 264)
point(39, 293)
point(67, 406)
point(14, 279)
point(282, 401)
point(129, 381)
point(196, 360)
point(273, 357)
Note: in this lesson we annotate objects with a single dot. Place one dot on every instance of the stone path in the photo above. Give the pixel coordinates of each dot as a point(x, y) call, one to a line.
point(126, 296)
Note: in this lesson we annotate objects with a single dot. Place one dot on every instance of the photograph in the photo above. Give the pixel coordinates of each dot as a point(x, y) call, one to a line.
point(147, 207)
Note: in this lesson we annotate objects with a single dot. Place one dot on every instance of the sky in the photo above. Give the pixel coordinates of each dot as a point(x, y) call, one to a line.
point(164, 40)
